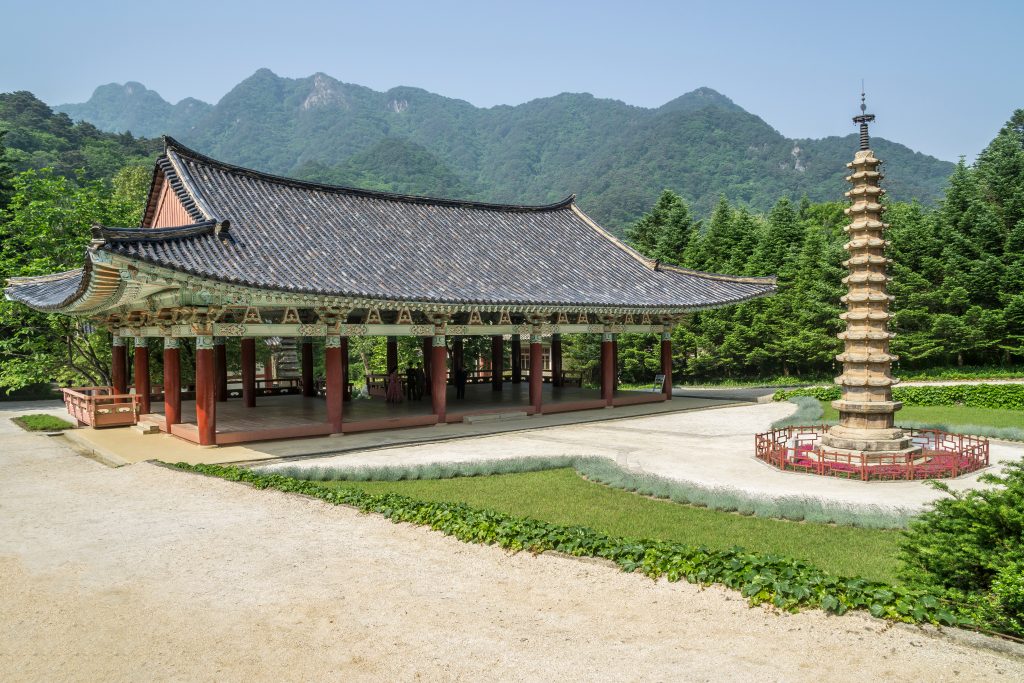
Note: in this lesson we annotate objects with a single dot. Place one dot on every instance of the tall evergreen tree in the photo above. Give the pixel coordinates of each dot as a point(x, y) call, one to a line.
point(675, 235)
point(779, 243)
point(712, 250)
point(645, 233)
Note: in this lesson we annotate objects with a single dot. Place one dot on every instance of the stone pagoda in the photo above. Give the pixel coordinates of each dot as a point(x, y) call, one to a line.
point(866, 409)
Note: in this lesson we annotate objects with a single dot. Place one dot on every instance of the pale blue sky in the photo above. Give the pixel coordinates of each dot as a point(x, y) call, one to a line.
point(942, 76)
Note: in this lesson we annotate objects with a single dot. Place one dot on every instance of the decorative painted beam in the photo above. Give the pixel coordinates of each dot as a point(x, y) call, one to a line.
point(347, 330)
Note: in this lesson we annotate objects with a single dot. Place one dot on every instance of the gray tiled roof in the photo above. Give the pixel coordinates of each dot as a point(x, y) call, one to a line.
point(48, 291)
point(275, 233)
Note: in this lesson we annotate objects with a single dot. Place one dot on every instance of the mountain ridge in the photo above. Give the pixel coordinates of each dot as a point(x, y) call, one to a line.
point(616, 157)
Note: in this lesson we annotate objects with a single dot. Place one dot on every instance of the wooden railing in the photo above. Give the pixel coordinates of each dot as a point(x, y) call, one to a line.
point(271, 387)
point(941, 455)
point(100, 406)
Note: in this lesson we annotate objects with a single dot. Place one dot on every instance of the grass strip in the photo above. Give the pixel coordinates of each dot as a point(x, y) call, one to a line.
point(607, 472)
point(564, 497)
point(41, 422)
point(783, 582)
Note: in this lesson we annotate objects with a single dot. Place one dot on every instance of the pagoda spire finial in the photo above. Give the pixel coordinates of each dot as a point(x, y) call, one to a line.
point(863, 119)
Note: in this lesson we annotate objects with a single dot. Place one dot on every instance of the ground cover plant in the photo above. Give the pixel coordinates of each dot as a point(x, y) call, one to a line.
point(41, 423)
point(607, 472)
point(761, 578)
point(562, 497)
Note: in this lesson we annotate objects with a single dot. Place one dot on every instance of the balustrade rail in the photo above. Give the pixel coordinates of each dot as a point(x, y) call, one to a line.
point(941, 455)
point(100, 406)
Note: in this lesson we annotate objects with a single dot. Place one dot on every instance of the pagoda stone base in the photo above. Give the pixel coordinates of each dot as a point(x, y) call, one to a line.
point(878, 444)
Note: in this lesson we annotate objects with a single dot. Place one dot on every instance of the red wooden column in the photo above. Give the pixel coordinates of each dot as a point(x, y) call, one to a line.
point(249, 372)
point(172, 382)
point(206, 391)
point(608, 367)
point(119, 364)
point(439, 375)
point(517, 359)
point(142, 375)
point(307, 368)
point(556, 360)
point(220, 359)
point(666, 360)
point(345, 391)
point(428, 346)
point(536, 370)
point(335, 383)
point(392, 354)
point(497, 362)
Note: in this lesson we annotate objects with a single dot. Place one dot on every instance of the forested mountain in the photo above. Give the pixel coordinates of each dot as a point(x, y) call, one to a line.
point(37, 138)
point(616, 157)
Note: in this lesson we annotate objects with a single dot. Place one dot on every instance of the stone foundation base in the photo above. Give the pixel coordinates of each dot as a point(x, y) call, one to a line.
point(830, 453)
point(849, 440)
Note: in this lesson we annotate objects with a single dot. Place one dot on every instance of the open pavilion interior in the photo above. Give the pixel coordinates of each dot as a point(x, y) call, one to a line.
point(225, 252)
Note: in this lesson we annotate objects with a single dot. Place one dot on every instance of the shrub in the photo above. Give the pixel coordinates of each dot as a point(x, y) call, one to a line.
point(971, 545)
point(786, 583)
point(1008, 396)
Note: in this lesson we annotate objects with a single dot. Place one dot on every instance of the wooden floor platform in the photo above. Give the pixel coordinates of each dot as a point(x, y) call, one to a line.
point(290, 416)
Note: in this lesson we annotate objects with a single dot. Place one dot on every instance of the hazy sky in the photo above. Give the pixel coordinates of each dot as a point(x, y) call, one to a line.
point(941, 76)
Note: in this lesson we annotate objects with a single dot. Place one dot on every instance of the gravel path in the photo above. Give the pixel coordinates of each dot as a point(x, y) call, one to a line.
point(147, 573)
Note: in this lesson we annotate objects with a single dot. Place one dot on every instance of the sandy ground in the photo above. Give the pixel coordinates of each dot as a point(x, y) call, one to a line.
point(712, 448)
point(143, 573)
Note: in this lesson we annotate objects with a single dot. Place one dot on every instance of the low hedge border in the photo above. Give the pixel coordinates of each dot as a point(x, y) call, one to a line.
point(1009, 396)
point(785, 583)
point(607, 472)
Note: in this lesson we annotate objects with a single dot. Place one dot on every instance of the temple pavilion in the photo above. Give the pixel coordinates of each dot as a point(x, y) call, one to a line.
point(224, 251)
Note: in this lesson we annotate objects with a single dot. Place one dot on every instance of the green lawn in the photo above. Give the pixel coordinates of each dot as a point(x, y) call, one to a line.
point(563, 497)
point(949, 415)
point(41, 423)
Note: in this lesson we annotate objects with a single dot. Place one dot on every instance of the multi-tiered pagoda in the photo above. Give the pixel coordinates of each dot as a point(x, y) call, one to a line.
point(866, 409)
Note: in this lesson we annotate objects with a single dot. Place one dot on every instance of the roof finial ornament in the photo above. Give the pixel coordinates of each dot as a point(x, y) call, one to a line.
point(863, 119)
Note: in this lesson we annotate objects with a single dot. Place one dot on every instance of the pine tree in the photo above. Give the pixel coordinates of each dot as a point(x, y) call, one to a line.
point(1000, 168)
point(644, 234)
point(779, 242)
point(713, 250)
point(675, 234)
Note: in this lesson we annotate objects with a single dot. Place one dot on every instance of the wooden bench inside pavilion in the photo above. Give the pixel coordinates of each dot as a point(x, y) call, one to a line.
point(228, 253)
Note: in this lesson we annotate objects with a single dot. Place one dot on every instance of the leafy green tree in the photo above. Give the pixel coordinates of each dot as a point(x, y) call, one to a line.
point(45, 229)
point(5, 172)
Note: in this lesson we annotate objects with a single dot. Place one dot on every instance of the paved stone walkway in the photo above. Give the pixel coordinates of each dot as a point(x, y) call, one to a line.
point(713, 448)
point(143, 573)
